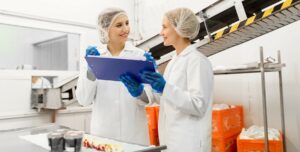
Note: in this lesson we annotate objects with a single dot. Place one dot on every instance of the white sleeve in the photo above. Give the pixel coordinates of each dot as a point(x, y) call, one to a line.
point(86, 89)
point(155, 97)
point(146, 97)
point(196, 98)
point(143, 99)
point(152, 96)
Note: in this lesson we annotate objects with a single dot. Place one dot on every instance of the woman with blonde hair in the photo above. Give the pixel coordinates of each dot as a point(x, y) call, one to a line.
point(117, 106)
point(186, 88)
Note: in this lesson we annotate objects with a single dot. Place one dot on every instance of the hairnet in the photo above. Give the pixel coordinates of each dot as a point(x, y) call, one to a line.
point(184, 21)
point(105, 19)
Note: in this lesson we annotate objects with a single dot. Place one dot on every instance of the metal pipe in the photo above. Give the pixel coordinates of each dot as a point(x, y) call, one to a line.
point(154, 149)
point(137, 33)
point(264, 101)
point(281, 104)
point(204, 17)
point(240, 10)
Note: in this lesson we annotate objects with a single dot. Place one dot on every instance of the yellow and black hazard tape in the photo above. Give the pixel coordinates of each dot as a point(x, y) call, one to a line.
point(254, 18)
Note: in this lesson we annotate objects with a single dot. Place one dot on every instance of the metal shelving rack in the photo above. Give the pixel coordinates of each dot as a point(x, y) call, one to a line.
point(263, 68)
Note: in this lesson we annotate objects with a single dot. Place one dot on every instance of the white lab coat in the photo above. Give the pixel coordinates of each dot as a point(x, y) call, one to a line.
point(115, 113)
point(186, 103)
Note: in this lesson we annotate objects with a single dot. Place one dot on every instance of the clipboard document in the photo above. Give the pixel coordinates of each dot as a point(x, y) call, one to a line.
point(109, 68)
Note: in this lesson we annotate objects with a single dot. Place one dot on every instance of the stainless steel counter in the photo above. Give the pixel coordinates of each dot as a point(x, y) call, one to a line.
point(10, 140)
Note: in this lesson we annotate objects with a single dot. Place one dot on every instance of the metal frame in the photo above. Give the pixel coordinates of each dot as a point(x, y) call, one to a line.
point(262, 69)
point(154, 149)
point(264, 99)
point(273, 17)
point(240, 10)
point(258, 28)
point(204, 17)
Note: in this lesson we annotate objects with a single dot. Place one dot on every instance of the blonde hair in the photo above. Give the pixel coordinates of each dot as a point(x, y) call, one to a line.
point(105, 19)
point(184, 21)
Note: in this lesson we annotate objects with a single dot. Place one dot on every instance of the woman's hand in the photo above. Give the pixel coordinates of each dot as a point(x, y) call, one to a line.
point(155, 79)
point(150, 58)
point(135, 88)
point(92, 50)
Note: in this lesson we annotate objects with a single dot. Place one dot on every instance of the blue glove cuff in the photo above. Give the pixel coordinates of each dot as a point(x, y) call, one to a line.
point(137, 92)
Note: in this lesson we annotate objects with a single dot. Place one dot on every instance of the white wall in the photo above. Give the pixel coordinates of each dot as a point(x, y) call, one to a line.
point(17, 48)
point(15, 93)
point(30, 119)
point(151, 13)
point(14, 49)
point(245, 89)
point(73, 52)
point(82, 12)
point(83, 119)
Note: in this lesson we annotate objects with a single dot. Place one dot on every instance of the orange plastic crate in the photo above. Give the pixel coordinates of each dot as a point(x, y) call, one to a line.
point(152, 113)
point(248, 145)
point(224, 144)
point(227, 122)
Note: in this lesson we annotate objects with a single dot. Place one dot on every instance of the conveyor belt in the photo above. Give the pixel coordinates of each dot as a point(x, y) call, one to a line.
point(271, 19)
point(264, 22)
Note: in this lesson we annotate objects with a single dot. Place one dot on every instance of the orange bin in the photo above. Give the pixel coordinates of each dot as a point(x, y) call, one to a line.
point(152, 113)
point(224, 144)
point(228, 122)
point(258, 145)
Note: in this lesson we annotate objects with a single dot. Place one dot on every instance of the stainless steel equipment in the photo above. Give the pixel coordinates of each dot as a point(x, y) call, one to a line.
point(58, 95)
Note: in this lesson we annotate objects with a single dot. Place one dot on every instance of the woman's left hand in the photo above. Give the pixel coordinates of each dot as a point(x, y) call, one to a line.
point(155, 79)
point(150, 58)
point(135, 88)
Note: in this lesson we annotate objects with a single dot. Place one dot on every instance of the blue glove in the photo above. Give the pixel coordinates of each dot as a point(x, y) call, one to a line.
point(92, 50)
point(135, 88)
point(150, 58)
point(155, 79)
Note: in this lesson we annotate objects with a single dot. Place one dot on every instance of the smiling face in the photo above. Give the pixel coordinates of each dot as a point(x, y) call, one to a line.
point(119, 30)
point(168, 33)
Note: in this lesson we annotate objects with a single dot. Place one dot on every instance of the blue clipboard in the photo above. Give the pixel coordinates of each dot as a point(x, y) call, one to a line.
point(106, 68)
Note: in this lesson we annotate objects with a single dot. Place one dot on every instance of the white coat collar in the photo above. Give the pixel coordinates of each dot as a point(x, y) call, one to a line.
point(128, 48)
point(187, 50)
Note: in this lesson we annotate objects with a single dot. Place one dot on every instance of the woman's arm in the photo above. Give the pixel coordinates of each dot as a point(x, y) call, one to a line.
point(86, 88)
point(196, 98)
